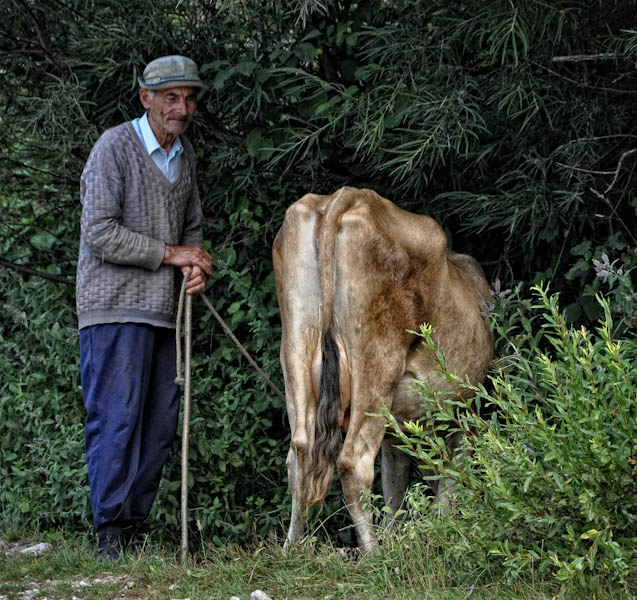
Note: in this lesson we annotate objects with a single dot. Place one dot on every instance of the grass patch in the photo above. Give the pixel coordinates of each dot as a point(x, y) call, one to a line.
point(402, 571)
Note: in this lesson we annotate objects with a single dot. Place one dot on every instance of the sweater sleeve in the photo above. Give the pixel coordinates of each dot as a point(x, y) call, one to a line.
point(101, 194)
point(193, 219)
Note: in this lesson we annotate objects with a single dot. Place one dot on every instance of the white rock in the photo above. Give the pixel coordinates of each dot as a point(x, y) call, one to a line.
point(259, 595)
point(37, 549)
point(31, 595)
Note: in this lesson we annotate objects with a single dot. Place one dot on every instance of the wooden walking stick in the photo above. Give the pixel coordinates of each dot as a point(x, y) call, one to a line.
point(185, 382)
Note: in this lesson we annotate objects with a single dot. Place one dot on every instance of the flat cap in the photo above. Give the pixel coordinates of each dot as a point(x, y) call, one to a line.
point(171, 71)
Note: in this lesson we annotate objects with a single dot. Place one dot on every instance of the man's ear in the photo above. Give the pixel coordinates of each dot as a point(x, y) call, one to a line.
point(143, 98)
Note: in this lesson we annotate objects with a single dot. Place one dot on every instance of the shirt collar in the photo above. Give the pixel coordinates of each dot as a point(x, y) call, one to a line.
point(150, 141)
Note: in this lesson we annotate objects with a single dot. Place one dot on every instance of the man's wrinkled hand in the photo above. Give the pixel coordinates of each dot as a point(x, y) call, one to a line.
point(188, 256)
point(196, 282)
point(194, 258)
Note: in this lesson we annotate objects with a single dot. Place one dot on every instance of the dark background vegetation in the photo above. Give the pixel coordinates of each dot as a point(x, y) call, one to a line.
point(513, 123)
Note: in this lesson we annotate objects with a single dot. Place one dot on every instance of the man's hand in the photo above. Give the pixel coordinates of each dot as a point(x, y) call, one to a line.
point(194, 258)
point(196, 282)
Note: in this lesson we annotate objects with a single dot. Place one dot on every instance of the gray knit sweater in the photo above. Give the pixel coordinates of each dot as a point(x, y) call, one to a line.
point(129, 212)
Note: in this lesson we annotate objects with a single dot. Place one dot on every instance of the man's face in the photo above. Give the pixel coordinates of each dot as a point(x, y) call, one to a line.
point(169, 111)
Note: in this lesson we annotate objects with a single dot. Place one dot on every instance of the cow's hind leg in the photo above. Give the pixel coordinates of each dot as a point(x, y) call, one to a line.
point(356, 467)
point(446, 486)
point(296, 269)
point(297, 518)
point(395, 467)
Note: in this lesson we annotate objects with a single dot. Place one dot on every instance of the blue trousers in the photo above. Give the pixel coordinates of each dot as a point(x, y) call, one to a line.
point(132, 409)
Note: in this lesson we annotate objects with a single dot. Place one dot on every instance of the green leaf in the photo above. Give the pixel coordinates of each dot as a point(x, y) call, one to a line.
point(305, 51)
point(43, 240)
point(245, 67)
point(234, 307)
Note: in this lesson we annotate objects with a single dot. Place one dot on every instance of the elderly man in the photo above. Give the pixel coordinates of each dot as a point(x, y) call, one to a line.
point(141, 228)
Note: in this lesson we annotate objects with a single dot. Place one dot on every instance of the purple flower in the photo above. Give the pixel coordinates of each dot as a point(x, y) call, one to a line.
point(602, 268)
point(497, 292)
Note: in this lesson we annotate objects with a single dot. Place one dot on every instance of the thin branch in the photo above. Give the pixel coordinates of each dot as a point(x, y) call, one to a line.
point(609, 217)
point(29, 167)
point(619, 166)
point(44, 40)
point(584, 57)
point(581, 84)
point(602, 137)
point(23, 52)
point(584, 170)
point(7, 264)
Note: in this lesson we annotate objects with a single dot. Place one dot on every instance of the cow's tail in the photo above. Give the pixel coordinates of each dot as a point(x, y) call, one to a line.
point(326, 437)
point(321, 470)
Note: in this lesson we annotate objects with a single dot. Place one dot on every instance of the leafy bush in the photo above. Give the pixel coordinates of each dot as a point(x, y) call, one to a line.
point(237, 429)
point(612, 276)
point(550, 476)
point(42, 465)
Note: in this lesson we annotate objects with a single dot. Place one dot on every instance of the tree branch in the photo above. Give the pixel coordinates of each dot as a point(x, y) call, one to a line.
point(572, 168)
point(45, 42)
point(619, 166)
point(584, 57)
point(581, 84)
point(7, 264)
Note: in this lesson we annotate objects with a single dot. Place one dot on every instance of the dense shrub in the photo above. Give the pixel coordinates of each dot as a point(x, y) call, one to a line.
point(237, 456)
point(42, 466)
point(550, 476)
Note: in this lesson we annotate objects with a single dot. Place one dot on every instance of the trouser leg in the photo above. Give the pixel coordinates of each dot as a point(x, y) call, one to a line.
point(159, 425)
point(132, 405)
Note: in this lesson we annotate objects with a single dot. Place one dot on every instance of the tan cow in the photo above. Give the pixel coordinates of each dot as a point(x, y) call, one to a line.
point(354, 274)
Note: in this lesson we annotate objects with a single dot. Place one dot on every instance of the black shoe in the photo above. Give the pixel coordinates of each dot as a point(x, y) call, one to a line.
point(128, 531)
point(112, 542)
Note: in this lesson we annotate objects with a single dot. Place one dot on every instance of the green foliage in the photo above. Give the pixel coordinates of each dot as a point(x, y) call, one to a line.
point(42, 466)
point(549, 476)
point(501, 119)
point(454, 109)
point(615, 278)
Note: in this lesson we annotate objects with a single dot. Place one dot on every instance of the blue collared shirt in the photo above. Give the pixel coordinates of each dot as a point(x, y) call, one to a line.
point(169, 164)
